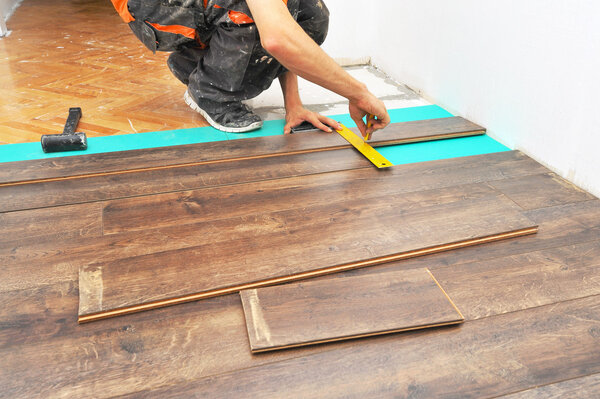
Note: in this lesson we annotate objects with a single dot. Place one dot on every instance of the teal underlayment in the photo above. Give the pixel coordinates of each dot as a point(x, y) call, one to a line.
point(397, 154)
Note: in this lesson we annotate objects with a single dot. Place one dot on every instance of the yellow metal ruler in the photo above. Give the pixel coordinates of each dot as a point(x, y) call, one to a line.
point(369, 152)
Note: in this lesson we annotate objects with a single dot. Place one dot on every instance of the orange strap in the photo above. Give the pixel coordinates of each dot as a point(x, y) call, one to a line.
point(121, 7)
point(178, 29)
point(236, 17)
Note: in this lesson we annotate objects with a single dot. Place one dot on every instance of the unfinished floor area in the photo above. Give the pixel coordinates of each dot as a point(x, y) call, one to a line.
point(83, 236)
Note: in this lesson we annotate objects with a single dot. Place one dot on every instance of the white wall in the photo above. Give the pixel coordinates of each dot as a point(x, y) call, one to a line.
point(347, 41)
point(529, 71)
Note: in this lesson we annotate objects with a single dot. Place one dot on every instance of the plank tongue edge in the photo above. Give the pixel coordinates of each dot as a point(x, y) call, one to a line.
point(99, 314)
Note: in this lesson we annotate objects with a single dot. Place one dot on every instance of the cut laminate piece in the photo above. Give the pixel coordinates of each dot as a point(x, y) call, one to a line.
point(312, 312)
point(277, 247)
point(224, 151)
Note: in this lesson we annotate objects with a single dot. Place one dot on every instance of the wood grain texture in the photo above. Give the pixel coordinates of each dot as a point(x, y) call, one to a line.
point(192, 206)
point(311, 312)
point(120, 85)
point(45, 353)
point(415, 176)
point(561, 226)
point(553, 191)
point(298, 243)
point(482, 358)
point(225, 151)
point(584, 387)
point(99, 188)
point(51, 224)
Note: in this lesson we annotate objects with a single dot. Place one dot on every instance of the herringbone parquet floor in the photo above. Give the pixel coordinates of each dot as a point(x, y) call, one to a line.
point(78, 53)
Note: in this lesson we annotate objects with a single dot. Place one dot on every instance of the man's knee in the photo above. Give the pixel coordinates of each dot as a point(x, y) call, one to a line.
point(313, 17)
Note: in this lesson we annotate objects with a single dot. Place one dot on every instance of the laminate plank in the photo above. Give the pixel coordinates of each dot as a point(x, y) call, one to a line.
point(558, 226)
point(316, 240)
point(44, 352)
point(270, 146)
point(561, 225)
point(312, 312)
point(61, 223)
point(100, 188)
point(191, 206)
point(553, 191)
point(44, 194)
point(584, 387)
point(483, 358)
point(542, 275)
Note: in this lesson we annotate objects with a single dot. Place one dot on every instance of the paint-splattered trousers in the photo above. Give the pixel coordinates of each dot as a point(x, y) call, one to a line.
point(215, 44)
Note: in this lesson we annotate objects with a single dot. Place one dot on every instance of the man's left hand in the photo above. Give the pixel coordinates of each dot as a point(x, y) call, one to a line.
point(297, 115)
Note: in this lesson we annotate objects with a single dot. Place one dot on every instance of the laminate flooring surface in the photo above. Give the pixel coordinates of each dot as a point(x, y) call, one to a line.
point(530, 304)
point(260, 248)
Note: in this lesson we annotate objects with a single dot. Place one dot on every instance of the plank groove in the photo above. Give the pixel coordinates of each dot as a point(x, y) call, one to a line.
point(223, 151)
point(313, 312)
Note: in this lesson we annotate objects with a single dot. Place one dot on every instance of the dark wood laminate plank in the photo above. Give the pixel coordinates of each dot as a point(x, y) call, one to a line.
point(223, 150)
point(482, 358)
point(576, 388)
point(558, 226)
point(43, 351)
point(61, 223)
point(192, 206)
point(316, 240)
point(310, 312)
point(541, 275)
point(551, 190)
point(99, 188)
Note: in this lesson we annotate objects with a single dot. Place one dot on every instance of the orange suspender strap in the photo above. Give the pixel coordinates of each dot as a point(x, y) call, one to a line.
point(121, 7)
point(236, 17)
point(177, 29)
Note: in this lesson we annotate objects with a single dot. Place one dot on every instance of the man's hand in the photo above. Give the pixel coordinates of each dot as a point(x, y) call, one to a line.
point(368, 104)
point(295, 113)
point(299, 114)
point(285, 40)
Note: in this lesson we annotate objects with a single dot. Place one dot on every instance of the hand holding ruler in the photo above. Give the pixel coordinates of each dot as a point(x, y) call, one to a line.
point(361, 145)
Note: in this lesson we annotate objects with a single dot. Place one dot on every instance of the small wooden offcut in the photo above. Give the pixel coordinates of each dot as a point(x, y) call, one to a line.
point(313, 312)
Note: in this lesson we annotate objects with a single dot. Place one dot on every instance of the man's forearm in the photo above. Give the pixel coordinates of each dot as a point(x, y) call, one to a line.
point(289, 87)
point(291, 46)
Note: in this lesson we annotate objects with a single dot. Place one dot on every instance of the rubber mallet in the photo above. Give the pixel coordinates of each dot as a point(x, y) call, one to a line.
point(69, 140)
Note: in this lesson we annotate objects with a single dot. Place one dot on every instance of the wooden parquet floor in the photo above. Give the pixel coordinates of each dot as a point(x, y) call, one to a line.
point(78, 53)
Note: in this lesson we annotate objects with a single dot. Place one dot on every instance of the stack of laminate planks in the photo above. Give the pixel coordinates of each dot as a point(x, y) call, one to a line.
point(148, 228)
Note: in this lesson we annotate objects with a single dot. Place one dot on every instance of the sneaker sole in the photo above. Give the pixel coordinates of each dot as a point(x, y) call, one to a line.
point(190, 101)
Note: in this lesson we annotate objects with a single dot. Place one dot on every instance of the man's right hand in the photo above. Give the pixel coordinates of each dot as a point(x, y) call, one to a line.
point(366, 104)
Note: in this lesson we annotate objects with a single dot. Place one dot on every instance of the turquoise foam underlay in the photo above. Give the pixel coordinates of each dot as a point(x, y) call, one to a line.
point(397, 154)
